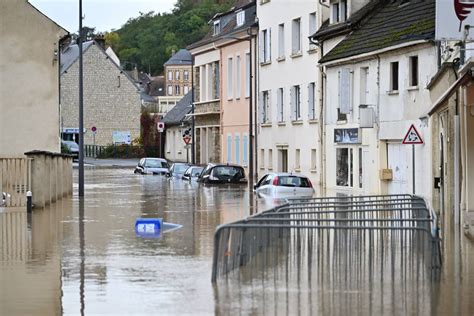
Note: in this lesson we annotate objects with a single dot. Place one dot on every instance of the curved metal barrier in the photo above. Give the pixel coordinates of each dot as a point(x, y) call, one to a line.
point(333, 235)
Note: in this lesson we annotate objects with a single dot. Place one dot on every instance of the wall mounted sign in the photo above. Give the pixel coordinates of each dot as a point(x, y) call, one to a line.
point(346, 136)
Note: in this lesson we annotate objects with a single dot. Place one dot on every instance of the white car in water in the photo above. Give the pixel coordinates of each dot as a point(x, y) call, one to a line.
point(152, 166)
point(284, 185)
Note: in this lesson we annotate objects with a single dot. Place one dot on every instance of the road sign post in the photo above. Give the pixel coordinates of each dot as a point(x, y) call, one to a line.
point(412, 137)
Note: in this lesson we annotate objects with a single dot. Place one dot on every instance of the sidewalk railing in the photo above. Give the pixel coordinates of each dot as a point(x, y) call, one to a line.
point(121, 151)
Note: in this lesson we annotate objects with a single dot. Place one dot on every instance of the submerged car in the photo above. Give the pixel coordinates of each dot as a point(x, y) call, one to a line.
point(152, 166)
point(220, 173)
point(284, 185)
point(177, 169)
point(192, 173)
point(72, 147)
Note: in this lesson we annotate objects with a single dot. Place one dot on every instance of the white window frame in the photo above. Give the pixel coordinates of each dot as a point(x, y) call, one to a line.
point(185, 89)
point(312, 115)
point(217, 27)
point(177, 89)
point(296, 45)
point(265, 46)
point(414, 71)
point(177, 75)
point(266, 106)
point(313, 26)
point(295, 98)
point(281, 104)
point(281, 41)
point(170, 89)
point(237, 77)
point(240, 16)
point(170, 75)
point(349, 181)
point(186, 75)
point(394, 88)
point(230, 78)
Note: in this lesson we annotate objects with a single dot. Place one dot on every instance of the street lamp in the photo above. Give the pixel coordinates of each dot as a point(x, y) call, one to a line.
point(249, 38)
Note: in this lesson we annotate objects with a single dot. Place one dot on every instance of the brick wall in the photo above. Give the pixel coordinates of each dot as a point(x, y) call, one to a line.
point(111, 101)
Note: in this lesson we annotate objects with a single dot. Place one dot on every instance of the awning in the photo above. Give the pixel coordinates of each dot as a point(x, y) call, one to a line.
point(465, 78)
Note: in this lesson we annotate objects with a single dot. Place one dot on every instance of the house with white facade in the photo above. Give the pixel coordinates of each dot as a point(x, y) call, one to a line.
point(377, 62)
point(289, 88)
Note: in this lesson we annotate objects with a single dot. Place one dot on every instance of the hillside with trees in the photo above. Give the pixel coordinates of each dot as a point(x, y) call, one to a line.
point(148, 40)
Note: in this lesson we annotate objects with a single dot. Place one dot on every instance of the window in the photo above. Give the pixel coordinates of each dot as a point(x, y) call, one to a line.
point(262, 159)
point(245, 150)
point(185, 89)
point(170, 90)
point(364, 91)
point(297, 159)
point(240, 18)
point(312, 28)
point(345, 90)
point(394, 76)
point(295, 103)
point(177, 75)
point(280, 104)
point(339, 11)
point(296, 37)
point(186, 75)
point(203, 81)
point(270, 159)
point(247, 75)
point(177, 90)
point(313, 159)
point(413, 71)
point(265, 107)
point(265, 46)
point(311, 101)
point(170, 75)
point(281, 41)
point(217, 27)
point(237, 149)
point(237, 77)
point(217, 80)
point(229, 148)
point(344, 167)
point(230, 77)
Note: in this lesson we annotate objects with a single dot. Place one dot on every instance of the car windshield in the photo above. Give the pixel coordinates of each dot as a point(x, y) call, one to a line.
point(293, 181)
point(228, 172)
point(180, 168)
point(71, 145)
point(155, 163)
point(196, 172)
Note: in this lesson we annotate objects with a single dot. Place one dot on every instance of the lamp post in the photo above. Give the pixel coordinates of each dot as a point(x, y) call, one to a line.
point(249, 38)
point(81, 109)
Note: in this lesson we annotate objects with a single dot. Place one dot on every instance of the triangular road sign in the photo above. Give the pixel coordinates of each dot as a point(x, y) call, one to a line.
point(412, 136)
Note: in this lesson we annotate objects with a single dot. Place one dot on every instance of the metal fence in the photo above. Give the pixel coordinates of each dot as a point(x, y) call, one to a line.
point(333, 236)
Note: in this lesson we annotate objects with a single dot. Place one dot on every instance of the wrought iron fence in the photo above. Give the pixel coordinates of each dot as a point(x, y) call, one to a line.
point(333, 236)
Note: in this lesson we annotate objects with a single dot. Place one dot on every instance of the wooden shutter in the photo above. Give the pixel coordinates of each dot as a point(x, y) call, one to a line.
point(311, 101)
point(261, 47)
point(292, 103)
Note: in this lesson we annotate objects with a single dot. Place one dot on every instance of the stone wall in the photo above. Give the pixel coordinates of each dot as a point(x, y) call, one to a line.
point(111, 100)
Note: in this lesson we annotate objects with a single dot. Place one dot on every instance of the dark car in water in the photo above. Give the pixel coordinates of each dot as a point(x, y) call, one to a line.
point(223, 173)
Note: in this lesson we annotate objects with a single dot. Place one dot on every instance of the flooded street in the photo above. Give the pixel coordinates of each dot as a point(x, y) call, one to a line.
point(85, 258)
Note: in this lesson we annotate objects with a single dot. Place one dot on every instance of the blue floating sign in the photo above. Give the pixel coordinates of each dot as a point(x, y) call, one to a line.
point(148, 226)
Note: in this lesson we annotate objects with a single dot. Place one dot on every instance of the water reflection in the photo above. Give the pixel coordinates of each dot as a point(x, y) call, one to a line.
point(86, 259)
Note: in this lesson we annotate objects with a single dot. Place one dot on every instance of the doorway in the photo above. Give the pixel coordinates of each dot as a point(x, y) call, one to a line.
point(283, 160)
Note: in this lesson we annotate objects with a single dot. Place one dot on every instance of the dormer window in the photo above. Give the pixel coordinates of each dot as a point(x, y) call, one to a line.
point(338, 11)
point(217, 27)
point(240, 18)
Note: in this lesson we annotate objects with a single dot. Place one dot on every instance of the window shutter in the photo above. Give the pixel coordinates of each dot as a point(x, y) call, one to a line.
point(245, 150)
point(299, 104)
point(260, 108)
point(269, 44)
point(345, 91)
point(292, 103)
point(229, 148)
point(261, 46)
point(269, 110)
point(279, 105)
point(311, 102)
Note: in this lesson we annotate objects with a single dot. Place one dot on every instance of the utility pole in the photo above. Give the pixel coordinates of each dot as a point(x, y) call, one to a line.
point(81, 109)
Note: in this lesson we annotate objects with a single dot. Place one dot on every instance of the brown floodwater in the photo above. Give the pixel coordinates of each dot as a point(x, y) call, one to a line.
point(83, 257)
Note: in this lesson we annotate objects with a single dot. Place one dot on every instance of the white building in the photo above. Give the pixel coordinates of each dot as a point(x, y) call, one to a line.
point(288, 104)
point(375, 89)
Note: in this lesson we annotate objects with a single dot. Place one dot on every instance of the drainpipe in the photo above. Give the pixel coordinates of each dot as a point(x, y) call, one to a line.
point(457, 149)
point(193, 135)
point(378, 121)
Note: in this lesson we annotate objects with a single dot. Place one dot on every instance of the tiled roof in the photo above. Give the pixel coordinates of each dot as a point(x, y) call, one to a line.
point(393, 23)
point(71, 54)
point(182, 57)
point(178, 113)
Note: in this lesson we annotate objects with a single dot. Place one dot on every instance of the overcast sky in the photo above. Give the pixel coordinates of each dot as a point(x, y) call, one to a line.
point(104, 15)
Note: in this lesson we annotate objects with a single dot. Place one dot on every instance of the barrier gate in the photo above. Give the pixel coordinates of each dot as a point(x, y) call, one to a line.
point(333, 236)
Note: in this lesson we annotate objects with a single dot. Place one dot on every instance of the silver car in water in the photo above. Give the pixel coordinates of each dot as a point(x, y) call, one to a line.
point(284, 185)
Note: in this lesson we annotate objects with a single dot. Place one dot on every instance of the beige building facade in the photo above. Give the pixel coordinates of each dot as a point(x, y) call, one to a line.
point(29, 90)
point(111, 98)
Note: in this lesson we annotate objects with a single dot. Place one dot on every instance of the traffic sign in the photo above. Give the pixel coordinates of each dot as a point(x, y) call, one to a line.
point(94, 129)
point(187, 139)
point(160, 126)
point(412, 137)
